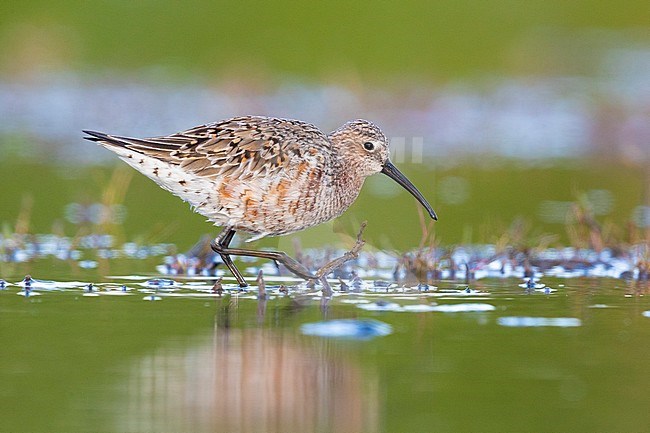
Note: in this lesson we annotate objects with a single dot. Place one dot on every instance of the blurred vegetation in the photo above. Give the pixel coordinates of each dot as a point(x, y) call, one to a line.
point(496, 197)
point(361, 40)
point(396, 43)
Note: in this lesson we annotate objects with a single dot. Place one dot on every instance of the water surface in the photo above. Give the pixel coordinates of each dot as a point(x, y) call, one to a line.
point(570, 357)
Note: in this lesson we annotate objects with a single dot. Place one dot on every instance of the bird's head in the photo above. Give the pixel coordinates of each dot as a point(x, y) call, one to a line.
point(365, 149)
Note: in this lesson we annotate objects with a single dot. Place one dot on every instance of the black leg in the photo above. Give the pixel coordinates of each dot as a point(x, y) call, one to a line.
point(292, 264)
point(220, 246)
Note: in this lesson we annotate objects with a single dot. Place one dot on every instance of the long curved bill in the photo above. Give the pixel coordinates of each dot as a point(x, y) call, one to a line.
point(391, 171)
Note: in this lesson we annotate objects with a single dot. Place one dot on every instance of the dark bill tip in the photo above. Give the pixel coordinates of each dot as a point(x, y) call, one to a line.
point(391, 171)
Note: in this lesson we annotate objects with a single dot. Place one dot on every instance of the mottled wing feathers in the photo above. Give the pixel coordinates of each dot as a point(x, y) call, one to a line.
point(240, 147)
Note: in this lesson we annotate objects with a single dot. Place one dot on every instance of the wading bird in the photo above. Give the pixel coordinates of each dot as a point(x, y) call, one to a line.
point(263, 175)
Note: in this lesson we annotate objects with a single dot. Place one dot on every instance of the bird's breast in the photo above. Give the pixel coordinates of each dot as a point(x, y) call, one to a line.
point(285, 204)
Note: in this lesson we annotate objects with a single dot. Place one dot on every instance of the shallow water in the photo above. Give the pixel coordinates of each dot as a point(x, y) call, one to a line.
point(489, 357)
point(565, 352)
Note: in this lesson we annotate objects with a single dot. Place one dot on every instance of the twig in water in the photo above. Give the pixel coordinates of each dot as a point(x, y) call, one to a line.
point(218, 287)
point(349, 255)
point(261, 285)
point(336, 263)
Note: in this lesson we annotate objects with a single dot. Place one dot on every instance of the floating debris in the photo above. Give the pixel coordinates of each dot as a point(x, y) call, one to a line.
point(458, 263)
point(352, 329)
point(159, 284)
point(372, 275)
point(152, 298)
point(89, 291)
point(33, 283)
point(526, 322)
point(475, 262)
point(381, 284)
point(646, 313)
point(529, 283)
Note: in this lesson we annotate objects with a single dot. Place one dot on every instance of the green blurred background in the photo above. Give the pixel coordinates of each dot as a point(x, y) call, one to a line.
point(400, 61)
point(373, 41)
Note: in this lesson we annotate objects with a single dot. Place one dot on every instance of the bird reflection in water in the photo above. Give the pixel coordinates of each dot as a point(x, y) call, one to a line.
point(250, 380)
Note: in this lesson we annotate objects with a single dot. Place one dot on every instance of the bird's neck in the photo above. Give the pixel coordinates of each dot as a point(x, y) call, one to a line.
point(347, 180)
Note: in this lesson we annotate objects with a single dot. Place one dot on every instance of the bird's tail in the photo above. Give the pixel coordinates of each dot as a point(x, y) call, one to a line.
point(148, 146)
point(97, 136)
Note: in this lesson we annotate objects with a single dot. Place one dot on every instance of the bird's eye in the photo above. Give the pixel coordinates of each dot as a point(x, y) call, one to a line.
point(369, 146)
